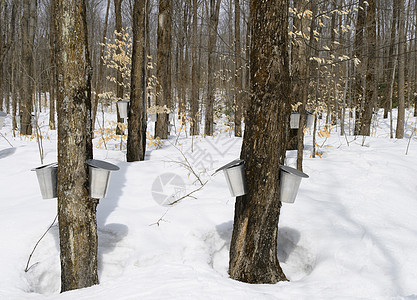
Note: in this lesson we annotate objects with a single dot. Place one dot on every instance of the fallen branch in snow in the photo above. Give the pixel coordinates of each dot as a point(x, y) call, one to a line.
point(36, 245)
point(160, 219)
point(6, 140)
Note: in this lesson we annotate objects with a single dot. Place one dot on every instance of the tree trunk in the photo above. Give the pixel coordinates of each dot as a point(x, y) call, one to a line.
point(52, 73)
point(253, 249)
point(119, 77)
point(371, 88)
point(163, 74)
point(76, 210)
point(238, 78)
point(195, 85)
point(28, 37)
point(390, 65)
point(399, 132)
point(358, 53)
point(100, 68)
point(213, 22)
point(136, 139)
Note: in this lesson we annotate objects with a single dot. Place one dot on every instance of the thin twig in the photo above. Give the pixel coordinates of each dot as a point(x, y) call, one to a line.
point(188, 165)
point(160, 219)
point(37, 243)
point(189, 194)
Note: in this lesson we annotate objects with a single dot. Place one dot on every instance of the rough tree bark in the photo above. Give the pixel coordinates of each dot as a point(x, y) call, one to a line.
point(136, 139)
point(163, 88)
point(253, 249)
point(76, 210)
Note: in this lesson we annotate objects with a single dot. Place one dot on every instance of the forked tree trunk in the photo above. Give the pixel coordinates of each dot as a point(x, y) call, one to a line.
point(76, 210)
point(136, 139)
point(163, 73)
point(253, 250)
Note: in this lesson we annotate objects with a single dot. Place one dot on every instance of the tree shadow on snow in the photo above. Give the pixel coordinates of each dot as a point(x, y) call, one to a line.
point(7, 152)
point(109, 235)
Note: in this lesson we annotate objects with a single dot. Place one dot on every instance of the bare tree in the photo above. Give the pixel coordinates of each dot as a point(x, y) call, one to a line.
point(238, 75)
point(194, 128)
point(371, 80)
point(136, 140)
point(163, 73)
point(399, 132)
point(213, 22)
point(28, 37)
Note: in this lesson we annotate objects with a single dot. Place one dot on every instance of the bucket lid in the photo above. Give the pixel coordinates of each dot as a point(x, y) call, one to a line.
point(2, 114)
point(52, 165)
point(101, 164)
point(293, 171)
point(123, 101)
point(235, 163)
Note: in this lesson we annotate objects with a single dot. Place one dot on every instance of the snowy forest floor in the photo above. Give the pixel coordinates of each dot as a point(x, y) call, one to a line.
point(351, 233)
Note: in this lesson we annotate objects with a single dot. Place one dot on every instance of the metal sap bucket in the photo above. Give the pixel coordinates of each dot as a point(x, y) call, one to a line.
point(295, 120)
point(2, 118)
point(290, 180)
point(99, 177)
point(152, 117)
point(123, 106)
point(235, 177)
point(310, 120)
point(47, 178)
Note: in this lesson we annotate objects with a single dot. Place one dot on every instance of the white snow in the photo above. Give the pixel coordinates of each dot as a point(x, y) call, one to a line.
point(351, 233)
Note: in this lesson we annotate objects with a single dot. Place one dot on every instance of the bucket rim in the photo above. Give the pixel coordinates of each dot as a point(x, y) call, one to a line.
point(123, 101)
point(234, 163)
point(101, 164)
point(293, 171)
point(52, 165)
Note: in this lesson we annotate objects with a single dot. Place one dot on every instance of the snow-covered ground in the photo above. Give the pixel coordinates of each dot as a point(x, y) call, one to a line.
point(351, 233)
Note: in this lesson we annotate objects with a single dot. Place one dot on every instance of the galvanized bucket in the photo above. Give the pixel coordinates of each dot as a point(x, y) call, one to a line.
point(235, 177)
point(99, 177)
point(2, 117)
point(310, 120)
point(295, 120)
point(47, 178)
point(123, 106)
point(290, 180)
